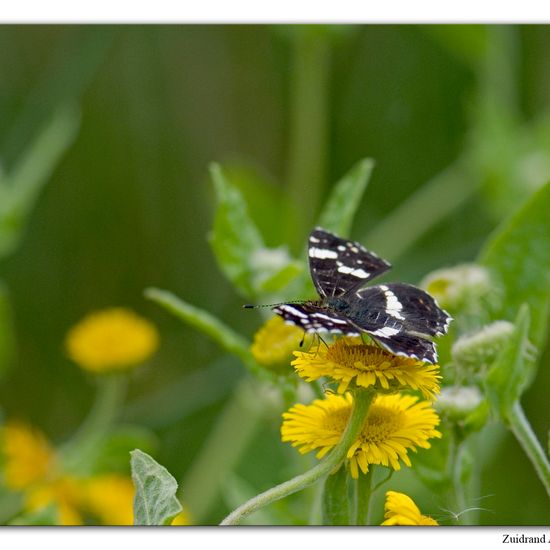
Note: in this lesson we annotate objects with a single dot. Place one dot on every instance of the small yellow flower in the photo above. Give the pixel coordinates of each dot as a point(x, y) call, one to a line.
point(395, 424)
point(348, 360)
point(27, 455)
point(110, 499)
point(274, 343)
point(401, 510)
point(64, 492)
point(113, 339)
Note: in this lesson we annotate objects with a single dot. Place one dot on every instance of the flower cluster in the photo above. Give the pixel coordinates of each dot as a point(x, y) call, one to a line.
point(35, 469)
point(397, 421)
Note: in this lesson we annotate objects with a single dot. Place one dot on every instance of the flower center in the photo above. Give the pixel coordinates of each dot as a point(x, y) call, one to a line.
point(359, 356)
point(381, 424)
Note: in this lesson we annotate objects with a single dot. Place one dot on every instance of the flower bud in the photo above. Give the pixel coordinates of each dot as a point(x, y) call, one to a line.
point(475, 352)
point(458, 287)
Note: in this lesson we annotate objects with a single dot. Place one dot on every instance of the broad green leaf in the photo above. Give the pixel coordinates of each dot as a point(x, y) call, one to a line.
point(335, 499)
point(7, 331)
point(223, 335)
point(234, 238)
point(340, 208)
point(21, 187)
point(155, 501)
point(518, 257)
point(512, 372)
point(274, 281)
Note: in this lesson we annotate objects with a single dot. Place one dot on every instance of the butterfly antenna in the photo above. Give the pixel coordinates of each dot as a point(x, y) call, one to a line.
point(255, 306)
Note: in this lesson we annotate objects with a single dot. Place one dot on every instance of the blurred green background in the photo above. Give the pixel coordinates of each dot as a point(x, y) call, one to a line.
point(456, 118)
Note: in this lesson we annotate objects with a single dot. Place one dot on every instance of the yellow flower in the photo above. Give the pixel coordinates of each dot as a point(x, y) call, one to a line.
point(274, 343)
point(401, 510)
point(110, 498)
point(64, 492)
point(395, 424)
point(112, 339)
point(27, 455)
point(348, 360)
point(30, 466)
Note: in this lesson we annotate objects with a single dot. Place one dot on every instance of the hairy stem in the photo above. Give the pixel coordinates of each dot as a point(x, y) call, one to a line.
point(356, 421)
point(528, 440)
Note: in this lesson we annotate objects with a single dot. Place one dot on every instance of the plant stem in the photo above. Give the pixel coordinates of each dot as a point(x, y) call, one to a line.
point(362, 401)
point(459, 492)
point(363, 490)
point(528, 440)
point(110, 395)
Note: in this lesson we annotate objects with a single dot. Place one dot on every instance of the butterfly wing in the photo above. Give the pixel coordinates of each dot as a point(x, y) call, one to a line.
point(408, 345)
point(401, 318)
point(339, 266)
point(314, 318)
point(417, 311)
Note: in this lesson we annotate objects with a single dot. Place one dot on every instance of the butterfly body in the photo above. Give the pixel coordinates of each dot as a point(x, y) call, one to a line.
point(400, 317)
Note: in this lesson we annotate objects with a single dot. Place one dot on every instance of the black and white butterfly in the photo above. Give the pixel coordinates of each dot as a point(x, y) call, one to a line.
point(400, 317)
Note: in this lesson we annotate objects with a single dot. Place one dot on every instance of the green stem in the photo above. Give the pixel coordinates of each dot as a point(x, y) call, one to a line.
point(110, 395)
point(459, 492)
point(359, 412)
point(528, 440)
point(308, 128)
point(363, 490)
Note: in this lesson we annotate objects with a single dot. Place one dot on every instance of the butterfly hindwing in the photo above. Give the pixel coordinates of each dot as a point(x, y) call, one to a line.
point(409, 346)
point(414, 308)
point(339, 266)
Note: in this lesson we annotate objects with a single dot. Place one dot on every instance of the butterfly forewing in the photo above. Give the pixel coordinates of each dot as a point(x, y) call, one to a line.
point(339, 266)
point(314, 318)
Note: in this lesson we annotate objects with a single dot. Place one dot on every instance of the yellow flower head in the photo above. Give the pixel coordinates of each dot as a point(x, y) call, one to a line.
point(349, 360)
point(401, 510)
point(395, 424)
point(27, 455)
point(110, 498)
point(113, 339)
point(274, 343)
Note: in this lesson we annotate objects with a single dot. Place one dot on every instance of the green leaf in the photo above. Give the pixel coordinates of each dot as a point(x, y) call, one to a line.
point(155, 502)
point(335, 499)
point(511, 373)
point(239, 248)
point(234, 238)
point(518, 257)
point(223, 335)
point(340, 208)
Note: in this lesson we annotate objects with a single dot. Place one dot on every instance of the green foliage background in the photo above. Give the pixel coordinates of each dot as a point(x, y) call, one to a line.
point(456, 118)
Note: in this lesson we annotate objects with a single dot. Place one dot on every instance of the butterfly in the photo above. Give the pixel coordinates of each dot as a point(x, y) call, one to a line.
point(400, 317)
